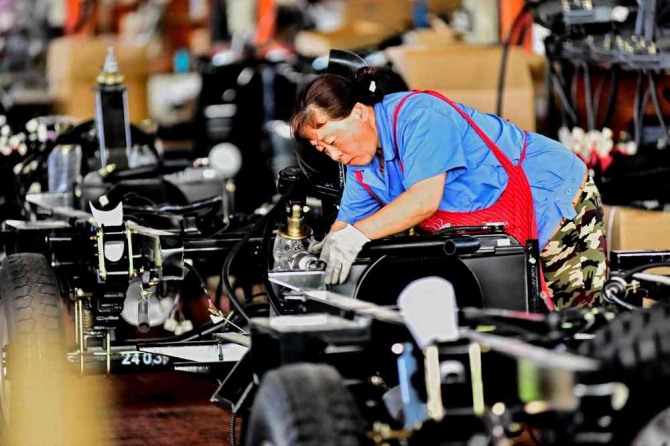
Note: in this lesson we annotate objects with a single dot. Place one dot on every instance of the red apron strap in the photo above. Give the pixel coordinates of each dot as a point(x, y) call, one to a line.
point(359, 177)
point(396, 112)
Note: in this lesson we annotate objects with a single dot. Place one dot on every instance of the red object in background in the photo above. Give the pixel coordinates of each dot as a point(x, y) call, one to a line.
point(509, 10)
point(78, 17)
point(266, 17)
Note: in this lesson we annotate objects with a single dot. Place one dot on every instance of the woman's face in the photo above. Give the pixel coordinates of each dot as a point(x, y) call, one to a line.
point(351, 141)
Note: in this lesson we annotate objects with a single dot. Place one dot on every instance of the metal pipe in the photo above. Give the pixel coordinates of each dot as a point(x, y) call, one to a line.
point(80, 302)
point(425, 246)
point(143, 313)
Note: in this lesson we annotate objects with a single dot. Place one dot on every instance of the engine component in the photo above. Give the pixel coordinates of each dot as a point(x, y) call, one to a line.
point(290, 250)
point(111, 114)
point(64, 166)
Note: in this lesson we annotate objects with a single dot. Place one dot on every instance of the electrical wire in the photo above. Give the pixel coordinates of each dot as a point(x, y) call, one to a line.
point(636, 109)
point(265, 254)
point(611, 97)
point(613, 298)
point(521, 19)
point(225, 271)
point(657, 107)
point(565, 102)
point(573, 85)
point(590, 119)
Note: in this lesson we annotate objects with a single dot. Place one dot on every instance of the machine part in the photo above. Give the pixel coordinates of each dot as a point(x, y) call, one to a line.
point(64, 167)
point(344, 63)
point(634, 350)
point(198, 351)
point(87, 319)
point(295, 227)
point(413, 409)
point(143, 311)
point(290, 250)
point(31, 328)
point(475, 357)
point(80, 305)
point(298, 280)
point(429, 308)
point(330, 419)
point(112, 117)
point(434, 406)
point(111, 250)
point(292, 255)
point(226, 159)
point(617, 289)
point(157, 311)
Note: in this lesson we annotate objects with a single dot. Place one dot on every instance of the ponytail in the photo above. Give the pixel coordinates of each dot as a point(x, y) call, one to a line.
point(370, 85)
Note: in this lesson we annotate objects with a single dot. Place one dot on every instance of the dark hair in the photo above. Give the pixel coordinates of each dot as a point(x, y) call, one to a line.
point(336, 96)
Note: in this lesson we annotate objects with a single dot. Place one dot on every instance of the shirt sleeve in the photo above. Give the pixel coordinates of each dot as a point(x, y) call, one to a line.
point(356, 203)
point(430, 140)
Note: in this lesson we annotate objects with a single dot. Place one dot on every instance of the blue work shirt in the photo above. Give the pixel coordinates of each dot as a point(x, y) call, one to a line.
point(434, 138)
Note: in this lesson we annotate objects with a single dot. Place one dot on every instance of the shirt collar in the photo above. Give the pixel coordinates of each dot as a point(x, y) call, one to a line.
point(384, 132)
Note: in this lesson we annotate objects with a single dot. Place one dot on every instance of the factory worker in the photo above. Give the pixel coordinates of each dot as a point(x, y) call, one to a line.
point(418, 159)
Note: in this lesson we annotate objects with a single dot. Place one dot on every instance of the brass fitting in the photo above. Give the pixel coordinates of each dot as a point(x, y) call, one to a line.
point(295, 228)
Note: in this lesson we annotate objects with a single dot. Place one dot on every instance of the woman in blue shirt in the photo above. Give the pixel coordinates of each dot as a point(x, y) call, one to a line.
point(418, 159)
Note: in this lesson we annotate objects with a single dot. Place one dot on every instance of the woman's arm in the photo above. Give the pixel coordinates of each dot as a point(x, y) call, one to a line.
point(413, 206)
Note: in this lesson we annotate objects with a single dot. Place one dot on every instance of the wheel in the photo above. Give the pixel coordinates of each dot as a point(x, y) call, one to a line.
point(31, 333)
point(304, 405)
point(635, 350)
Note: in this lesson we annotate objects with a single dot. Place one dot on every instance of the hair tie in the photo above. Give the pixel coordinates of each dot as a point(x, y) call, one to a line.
point(373, 86)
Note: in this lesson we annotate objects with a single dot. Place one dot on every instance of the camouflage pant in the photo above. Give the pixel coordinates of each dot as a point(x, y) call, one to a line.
point(575, 258)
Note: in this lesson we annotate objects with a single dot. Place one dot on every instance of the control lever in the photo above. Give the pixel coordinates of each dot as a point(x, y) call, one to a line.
point(428, 306)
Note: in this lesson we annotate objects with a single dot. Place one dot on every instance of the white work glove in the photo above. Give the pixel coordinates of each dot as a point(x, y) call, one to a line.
point(339, 250)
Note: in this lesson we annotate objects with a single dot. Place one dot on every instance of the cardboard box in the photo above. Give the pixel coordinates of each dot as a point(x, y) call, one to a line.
point(73, 64)
point(393, 14)
point(469, 74)
point(353, 36)
point(430, 38)
point(633, 229)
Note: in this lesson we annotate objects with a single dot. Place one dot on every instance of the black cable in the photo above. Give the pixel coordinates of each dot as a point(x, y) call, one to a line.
point(657, 107)
point(225, 271)
point(640, 268)
point(611, 97)
point(192, 207)
point(590, 120)
point(611, 297)
point(265, 255)
point(198, 276)
point(573, 86)
point(636, 109)
point(596, 98)
point(505, 53)
point(565, 102)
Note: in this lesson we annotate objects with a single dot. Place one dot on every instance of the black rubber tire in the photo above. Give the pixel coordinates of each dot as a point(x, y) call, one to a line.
point(31, 309)
point(304, 405)
point(632, 340)
point(635, 350)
